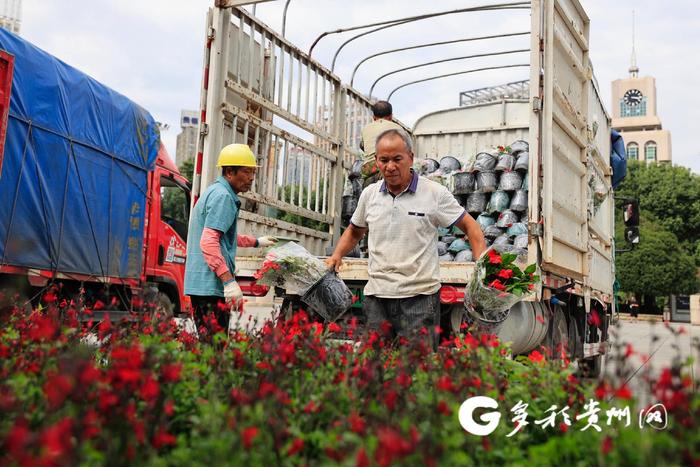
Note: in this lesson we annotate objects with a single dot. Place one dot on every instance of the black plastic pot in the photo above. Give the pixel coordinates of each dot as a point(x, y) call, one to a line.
point(329, 296)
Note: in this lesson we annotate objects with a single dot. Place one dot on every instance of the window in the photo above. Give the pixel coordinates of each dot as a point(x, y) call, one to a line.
point(174, 205)
point(633, 151)
point(185, 119)
point(194, 120)
point(650, 151)
point(638, 110)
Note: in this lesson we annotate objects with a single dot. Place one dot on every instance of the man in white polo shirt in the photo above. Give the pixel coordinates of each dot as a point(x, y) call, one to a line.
point(402, 214)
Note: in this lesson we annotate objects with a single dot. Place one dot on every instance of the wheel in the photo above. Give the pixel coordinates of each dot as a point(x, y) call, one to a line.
point(290, 305)
point(164, 307)
point(591, 367)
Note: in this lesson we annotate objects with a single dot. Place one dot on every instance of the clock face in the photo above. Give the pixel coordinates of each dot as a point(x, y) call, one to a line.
point(633, 97)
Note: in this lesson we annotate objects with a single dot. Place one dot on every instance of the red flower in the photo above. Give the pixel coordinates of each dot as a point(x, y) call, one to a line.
point(89, 375)
point(333, 327)
point(392, 446)
point(607, 445)
point(404, 379)
point(43, 328)
point(623, 392)
point(444, 383)
point(56, 388)
point(357, 423)
point(361, 460)
point(163, 438)
point(17, 438)
point(505, 273)
point(297, 445)
point(594, 318)
point(240, 397)
point(266, 388)
point(536, 356)
point(494, 258)
point(443, 408)
point(150, 389)
point(50, 297)
point(57, 438)
point(390, 399)
point(107, 400)
point(496, 284)
point(171, 372)
point(311, 407)
point(249, 434)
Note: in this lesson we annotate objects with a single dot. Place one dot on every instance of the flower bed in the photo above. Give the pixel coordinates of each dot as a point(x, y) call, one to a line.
point(291, 394)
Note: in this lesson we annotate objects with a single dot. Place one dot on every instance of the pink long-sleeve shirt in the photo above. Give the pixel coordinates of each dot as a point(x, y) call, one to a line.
point(211, 249)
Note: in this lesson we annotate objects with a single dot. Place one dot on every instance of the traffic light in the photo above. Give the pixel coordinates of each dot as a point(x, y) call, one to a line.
point(632, 235)
point(630, 214)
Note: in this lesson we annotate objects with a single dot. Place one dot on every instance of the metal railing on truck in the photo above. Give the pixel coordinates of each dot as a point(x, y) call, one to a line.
point(302, 123)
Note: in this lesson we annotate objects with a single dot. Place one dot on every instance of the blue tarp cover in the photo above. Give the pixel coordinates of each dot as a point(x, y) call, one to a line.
point(74, 172)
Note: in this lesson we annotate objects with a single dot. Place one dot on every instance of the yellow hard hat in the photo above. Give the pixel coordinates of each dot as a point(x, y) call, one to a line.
point(236, 155)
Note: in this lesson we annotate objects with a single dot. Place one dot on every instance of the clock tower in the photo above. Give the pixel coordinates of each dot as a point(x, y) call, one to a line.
point(634, 116)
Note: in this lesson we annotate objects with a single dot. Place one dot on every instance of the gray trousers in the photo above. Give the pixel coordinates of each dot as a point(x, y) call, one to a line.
point(406, 315)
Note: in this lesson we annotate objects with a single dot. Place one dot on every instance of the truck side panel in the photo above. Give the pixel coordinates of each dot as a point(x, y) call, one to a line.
point(73, 180)
point(574, 134)
point(462, 132)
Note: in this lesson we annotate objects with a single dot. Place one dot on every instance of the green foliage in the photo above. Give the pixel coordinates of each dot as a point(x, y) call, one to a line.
point(187, 169)
point(669, 195)
point(175, 204)
point(666, 259)
point(299, 392)
point(291, 192)
point(658, 265)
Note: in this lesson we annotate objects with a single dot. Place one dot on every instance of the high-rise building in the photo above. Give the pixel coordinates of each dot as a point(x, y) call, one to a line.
point(186, 146)
point(634, 116)
point(11, 15)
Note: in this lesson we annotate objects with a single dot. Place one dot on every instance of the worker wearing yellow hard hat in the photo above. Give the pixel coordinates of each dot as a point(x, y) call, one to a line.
point(211, 248)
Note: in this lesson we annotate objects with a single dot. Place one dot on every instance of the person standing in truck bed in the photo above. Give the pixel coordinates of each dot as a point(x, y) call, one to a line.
point(401, 214)
point(382, 114)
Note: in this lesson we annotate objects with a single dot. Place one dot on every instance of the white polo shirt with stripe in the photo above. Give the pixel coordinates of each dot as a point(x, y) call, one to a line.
point(403, 260)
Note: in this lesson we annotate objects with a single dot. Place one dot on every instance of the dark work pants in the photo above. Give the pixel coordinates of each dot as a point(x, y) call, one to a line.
point(213, 307)
point(406, 315)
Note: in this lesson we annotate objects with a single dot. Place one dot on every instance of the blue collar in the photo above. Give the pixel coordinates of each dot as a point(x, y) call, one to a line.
point(227, 185)
point(412, 187)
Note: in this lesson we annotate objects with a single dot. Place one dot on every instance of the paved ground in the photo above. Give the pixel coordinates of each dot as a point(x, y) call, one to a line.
point(655, 345)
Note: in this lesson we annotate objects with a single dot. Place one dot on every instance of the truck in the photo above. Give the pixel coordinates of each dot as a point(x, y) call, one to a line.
point(304, 124)
point(93, 209)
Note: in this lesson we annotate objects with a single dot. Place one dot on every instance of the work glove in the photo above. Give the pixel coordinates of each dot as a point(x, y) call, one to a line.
point(266, 241)
point(232, 292)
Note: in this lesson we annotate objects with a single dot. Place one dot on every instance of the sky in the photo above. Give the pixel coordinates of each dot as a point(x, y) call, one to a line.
point(152, 50)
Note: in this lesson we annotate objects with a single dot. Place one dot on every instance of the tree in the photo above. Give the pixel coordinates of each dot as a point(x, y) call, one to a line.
point(174, 203)
point(286, 193)
point(657, 267)
point(668, 195)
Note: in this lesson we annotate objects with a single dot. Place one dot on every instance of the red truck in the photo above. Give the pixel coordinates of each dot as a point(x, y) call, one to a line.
point(92, 207)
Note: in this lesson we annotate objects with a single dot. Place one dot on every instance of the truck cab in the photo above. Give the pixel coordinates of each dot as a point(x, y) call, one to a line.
point(165, 235)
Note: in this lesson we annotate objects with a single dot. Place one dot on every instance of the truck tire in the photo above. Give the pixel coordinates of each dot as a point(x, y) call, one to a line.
point(288, 308)
point(591, 367)
point(164, 307)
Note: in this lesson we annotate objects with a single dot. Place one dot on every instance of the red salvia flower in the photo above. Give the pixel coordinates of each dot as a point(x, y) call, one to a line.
point(249, 434)
point(297, 445)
